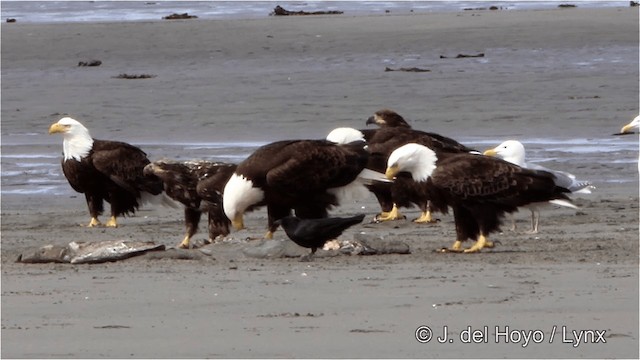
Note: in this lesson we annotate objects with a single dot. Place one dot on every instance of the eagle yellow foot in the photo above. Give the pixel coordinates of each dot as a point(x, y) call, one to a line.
point(94, 222)
point(269, 235)
point(480, 244)
point(112, 222)
point(425, 218)
point(394, 214)
point(184, 244)
point(455, 248)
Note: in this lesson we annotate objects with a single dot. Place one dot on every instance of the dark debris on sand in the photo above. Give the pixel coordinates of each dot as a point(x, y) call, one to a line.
point(280, 11)
point(411, 69)
point(176, 16)
point(134, 76)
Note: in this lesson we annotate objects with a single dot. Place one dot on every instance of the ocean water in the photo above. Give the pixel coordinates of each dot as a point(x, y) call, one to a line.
point(29, 169)
point(105, 11)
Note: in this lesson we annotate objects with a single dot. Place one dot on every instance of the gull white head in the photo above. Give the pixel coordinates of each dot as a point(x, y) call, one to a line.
point(633, 125)
point(77, 141)
point(345, 135)
point(416, 159)
point(510, 150)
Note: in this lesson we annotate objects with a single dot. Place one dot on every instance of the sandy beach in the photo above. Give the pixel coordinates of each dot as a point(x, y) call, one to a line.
point(570, 291)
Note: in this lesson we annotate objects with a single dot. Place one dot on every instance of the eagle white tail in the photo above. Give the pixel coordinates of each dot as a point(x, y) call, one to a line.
point(356, 190)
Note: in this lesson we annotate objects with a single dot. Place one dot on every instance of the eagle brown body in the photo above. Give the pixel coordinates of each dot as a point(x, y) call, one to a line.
point(104, 170)
point(299, 175)
point(479, 189)
point(198, 185)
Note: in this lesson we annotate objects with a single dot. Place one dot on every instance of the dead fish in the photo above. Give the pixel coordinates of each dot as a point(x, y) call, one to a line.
point(89, 252)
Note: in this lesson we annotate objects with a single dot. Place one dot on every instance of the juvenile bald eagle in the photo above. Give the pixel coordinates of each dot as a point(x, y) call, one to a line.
point(513, 151)
point(307, 176)
point(197, 185)
point(104, 171)
point(388, 118)
point(314, 233)
point(404, 192)
point(479, 189)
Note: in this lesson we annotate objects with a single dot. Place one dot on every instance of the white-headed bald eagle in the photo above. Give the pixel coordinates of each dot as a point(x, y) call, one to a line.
point(307, 176)
point(513, 151)
point(197, 185)
point(479, 189)
point(104, 171)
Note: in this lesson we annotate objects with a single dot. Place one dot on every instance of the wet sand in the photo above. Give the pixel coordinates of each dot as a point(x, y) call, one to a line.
point(565, 73)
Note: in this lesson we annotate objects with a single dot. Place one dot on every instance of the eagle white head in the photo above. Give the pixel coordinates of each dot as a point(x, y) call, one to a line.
point(510, 150)
point(345, 135)
point(77, 141)
point(416, 159)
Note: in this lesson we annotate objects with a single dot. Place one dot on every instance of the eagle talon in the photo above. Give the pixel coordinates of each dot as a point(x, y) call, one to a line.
point(94, 223)
point(394, 214)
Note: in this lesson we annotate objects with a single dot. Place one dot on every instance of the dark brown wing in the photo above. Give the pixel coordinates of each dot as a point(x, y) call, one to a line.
point(304, 165)
point(481, 179)
point(123, 164)
point(385, 140)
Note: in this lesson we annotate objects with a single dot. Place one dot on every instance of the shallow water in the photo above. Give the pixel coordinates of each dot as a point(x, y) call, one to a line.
point(35, 169)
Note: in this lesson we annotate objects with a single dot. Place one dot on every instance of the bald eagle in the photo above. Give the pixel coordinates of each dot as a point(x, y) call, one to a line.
point(308, 176)
point(404, 192)
point(513, 151)
point(479, 189)
point(104, 171)
point(198, 185)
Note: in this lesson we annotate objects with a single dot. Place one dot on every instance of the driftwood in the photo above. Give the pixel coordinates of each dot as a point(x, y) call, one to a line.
point(566, 6)
point(280, 11)
point(90, 63)
point(134, 76)
point(179, 16)
point(11, 20)
point(462, 56)
point(412, 69)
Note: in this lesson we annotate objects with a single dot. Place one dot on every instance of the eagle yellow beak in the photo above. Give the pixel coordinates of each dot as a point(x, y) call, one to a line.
point(57, 128)
point(238, 222)
point(490, 152)
point(391, 172)
point(626, 128)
